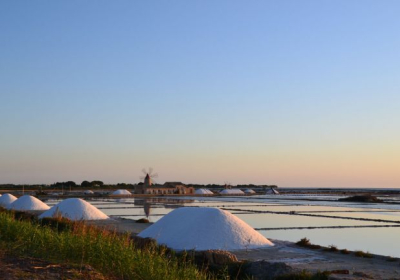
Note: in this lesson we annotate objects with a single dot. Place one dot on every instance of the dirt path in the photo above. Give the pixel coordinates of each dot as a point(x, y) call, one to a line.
point(13, 268)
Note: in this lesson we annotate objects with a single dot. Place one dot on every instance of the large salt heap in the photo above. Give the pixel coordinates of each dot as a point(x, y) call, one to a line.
point(121, 192)
point(232, 192)
point(75, 209)
point(203, 191)
point(203, 228)
point(6, 200)
point(28, 203)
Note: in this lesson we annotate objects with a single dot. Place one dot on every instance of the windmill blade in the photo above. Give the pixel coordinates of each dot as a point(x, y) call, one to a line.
point(144, 171)
point(150, 170)
point(155, 175)
point(141, 177)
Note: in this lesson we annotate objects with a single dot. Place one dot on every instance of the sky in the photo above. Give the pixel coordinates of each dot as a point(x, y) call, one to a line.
point(292, 93)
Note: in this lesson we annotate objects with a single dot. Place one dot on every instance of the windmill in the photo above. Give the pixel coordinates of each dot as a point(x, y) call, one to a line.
point(149, 176)
point(147, 208)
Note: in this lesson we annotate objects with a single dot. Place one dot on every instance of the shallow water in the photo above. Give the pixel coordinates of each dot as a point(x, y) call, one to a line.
point(280, 222)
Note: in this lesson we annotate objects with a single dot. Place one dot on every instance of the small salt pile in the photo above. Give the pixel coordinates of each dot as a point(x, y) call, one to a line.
point(203, 191)
point(88, 192)
point(272, 191)
point(121, 192)
point(75, 209)
point(28, 203)
point(232, 191)
point(249, 191)
point(203, 228)
point(6, 200)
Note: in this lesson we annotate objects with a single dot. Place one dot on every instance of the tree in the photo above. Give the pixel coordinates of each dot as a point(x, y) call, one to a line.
point(97, 183)
point(86, 184)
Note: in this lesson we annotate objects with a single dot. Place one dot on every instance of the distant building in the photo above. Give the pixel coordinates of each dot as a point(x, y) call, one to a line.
point(168, 188)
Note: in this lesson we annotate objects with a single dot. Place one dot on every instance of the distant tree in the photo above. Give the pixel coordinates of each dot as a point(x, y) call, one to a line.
point(97, 183)
point(86, 184)
point(70, 184)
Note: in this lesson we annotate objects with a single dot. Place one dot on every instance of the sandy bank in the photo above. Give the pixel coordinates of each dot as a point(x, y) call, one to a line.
point(299, 258)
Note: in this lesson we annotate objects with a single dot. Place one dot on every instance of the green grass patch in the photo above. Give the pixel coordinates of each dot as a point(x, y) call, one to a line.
point(363, 254)
point(305, 275)
point(108, 252)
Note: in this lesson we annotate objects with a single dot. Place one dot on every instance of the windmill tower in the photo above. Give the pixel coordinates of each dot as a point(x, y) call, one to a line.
point(149, 177)
point(147, 181)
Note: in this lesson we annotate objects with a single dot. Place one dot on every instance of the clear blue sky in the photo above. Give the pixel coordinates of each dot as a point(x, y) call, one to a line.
point(294, 93)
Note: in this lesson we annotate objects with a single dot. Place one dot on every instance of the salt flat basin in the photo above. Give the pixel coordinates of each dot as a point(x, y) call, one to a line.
point(320, 260)
point(377, 240)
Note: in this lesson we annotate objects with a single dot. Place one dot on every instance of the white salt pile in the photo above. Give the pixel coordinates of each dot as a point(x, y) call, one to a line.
point(201, 228)
point(75, 209)
point(232, 191)
point(272, 191)
point(121, 192)
point(88, 192)
point(249, 191)
point(6, 200)
point(203, 191)
point(27, 203)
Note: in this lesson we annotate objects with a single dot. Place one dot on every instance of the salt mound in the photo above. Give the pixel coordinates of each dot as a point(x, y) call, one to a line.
point(232, 191)
point(27, 202)
point(74, 209)
point(249, 191)
point(201, 228)
point(272, 191)
point(121, 192)
point(88, 192)
point(203, 191)
point(7, 199)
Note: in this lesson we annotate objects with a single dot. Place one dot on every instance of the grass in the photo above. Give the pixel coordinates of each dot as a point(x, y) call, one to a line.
point(391, 259)
point(108, 252)
point(363, 254)
point(345, 251)
point(304, 242)
point(305, 275)
point(331, 248)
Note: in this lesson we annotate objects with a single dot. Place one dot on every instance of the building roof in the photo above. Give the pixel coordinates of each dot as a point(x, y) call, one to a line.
point(174, 183)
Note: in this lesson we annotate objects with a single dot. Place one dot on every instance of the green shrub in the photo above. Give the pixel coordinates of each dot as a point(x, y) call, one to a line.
point(304, 242)
point(362, 254)
point(143, 221)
